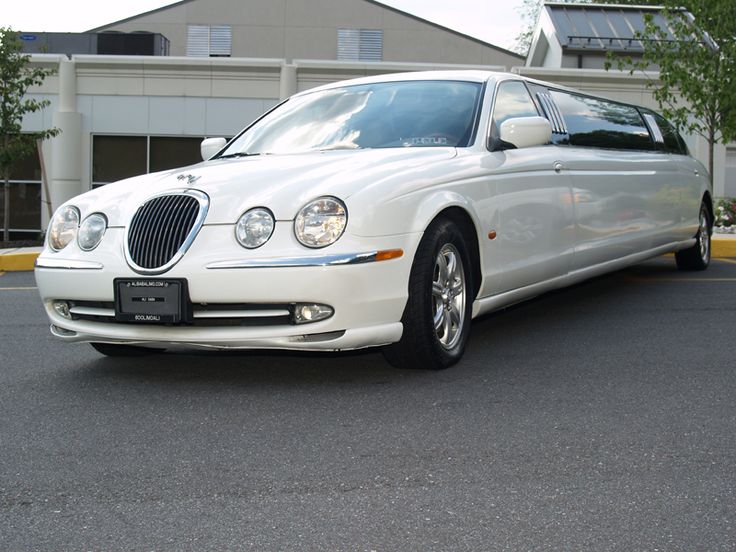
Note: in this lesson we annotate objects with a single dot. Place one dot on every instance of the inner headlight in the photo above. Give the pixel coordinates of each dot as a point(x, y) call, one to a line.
point(321, 222)
point(91, 231)
point(254, 228)
point(63, 227)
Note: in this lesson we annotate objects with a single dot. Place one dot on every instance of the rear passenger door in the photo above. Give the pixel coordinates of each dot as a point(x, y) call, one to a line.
point(678, 200)
point(617, 176)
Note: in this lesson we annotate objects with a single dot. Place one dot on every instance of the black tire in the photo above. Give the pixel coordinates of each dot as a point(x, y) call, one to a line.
point(434, 298)
point(119, 350)
point(697, 257)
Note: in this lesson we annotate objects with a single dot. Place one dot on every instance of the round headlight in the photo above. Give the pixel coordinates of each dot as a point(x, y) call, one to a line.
point(63, 227)
point(91, 231)
point(321, 222)
point(254, 228)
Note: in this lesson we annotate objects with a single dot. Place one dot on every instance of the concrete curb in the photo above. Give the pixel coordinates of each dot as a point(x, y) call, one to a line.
point(18, 259)
point(722, 245)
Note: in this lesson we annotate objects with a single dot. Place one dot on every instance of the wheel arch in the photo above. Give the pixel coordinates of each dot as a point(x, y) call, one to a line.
point(708, 200)
point(460, 217)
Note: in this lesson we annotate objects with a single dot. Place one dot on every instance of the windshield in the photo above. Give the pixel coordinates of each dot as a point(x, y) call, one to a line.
point(383, 115)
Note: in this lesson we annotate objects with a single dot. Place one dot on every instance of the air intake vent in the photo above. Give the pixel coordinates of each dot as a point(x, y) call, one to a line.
point(162, 230)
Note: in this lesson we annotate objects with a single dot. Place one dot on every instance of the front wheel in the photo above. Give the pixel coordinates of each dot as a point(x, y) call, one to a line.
point(697, 257)
point(436, 319)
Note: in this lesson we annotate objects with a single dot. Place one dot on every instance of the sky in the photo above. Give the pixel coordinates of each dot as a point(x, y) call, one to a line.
point(494, 21)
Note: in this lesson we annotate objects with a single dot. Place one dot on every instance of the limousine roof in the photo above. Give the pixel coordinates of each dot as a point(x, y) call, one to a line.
point(472, 75)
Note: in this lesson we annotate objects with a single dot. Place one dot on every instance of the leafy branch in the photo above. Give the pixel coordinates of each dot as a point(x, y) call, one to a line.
point(16, 77)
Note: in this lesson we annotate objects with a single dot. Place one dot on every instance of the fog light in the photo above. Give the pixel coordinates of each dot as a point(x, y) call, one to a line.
point(62, 308)
point(305, 313)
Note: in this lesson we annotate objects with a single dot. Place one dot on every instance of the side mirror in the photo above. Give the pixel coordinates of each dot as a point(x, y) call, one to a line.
point(524, 132)
point(210, 146)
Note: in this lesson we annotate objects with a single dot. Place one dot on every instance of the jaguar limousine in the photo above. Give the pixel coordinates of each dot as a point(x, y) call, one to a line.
point(386, 211)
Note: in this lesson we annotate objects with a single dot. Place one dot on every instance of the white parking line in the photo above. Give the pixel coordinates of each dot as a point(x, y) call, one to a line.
point(17, 288)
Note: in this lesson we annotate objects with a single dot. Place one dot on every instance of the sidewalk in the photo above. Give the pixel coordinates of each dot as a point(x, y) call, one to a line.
point(722, 245)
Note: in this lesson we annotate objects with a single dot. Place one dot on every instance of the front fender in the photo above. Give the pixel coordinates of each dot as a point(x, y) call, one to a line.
point(410, 213)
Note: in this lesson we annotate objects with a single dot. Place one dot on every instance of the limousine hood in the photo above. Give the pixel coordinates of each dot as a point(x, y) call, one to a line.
point(282, 183)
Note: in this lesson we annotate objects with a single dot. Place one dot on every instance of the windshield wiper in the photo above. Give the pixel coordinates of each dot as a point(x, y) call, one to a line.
point(238, 154)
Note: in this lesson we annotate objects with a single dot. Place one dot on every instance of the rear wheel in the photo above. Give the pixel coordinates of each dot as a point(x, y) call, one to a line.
point(697, 257)
point(437, 315)
point(119, 350)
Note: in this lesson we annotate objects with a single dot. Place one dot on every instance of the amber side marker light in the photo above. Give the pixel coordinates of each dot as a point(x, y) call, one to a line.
point(389, 254)
point(492, 235)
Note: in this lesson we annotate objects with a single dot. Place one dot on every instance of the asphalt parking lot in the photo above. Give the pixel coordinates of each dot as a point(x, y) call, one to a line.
point(600, 417)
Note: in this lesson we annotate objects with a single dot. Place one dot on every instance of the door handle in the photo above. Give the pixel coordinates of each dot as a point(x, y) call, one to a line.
point(558, 167)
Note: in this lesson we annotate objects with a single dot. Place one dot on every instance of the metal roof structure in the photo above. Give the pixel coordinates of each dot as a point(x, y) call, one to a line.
point(586, 27)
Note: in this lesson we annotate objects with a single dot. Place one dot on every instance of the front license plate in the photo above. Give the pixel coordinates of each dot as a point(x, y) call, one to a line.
point(149, 301)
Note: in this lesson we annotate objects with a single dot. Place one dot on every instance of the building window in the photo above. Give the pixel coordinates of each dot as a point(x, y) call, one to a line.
point(170, 153)
point(209, 40)
point(360, 44)
point(118, 157)
point(25, 207)
point(25, 196)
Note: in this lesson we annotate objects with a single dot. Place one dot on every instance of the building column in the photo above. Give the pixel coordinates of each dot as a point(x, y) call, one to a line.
point(288, 81)
point(65, 171)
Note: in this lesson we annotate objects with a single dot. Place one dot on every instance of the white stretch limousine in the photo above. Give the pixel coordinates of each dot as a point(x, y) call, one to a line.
point(384, 211)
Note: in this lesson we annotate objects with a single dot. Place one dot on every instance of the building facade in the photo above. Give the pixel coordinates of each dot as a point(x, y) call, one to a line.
point(230, 61)
point(346, 30)
point(122, 116)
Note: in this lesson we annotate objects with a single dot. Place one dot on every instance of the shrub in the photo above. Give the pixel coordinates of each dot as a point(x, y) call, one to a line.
point(725, 212)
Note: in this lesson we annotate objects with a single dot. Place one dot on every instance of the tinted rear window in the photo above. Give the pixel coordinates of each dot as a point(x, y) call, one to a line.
point(600, 123)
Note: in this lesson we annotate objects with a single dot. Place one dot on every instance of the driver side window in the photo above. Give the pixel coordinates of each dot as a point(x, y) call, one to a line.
point(512, 100)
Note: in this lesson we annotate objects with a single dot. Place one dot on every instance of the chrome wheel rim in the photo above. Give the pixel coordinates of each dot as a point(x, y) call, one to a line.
point(703, 236)
point(448, 296)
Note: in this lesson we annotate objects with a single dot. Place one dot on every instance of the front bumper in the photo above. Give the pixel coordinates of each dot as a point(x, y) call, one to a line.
point(368, 296)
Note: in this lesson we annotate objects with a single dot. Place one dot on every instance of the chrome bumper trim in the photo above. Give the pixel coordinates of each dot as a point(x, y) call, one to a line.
point(280, 262)
point(93, 311)
point(45, 262)
point(241, 313)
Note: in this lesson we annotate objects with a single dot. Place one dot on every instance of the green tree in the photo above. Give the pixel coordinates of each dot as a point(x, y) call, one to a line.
point(695, 52)
point(16, 77)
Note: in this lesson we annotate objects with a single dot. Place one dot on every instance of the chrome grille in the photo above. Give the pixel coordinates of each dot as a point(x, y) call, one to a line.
point(163, 228)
